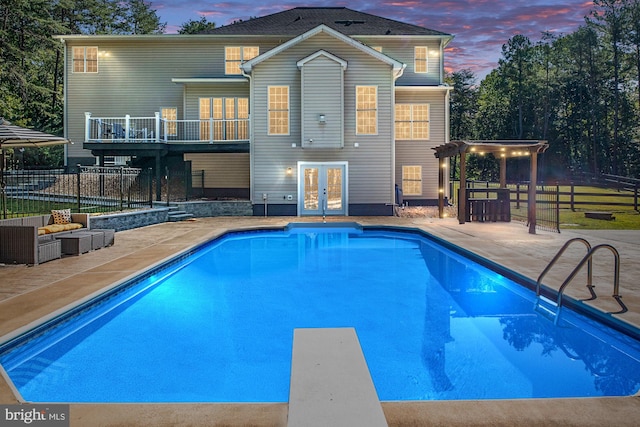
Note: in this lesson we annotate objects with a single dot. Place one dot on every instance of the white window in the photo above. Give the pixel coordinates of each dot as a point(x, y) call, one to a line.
point(412, 121)
point(230, 117)
point(421, 61)
point(85, 59)
point(278, 110)
point(412, 180)
point(234, 113)
point(366, 110)
point(235, 56)
point(170, 114)
point(205, 115)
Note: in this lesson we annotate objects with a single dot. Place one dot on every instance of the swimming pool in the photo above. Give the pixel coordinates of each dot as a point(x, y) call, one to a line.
point(217, 326)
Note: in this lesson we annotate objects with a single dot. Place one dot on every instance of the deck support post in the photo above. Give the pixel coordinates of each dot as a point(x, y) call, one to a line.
point(531, 197)
point(462, 193)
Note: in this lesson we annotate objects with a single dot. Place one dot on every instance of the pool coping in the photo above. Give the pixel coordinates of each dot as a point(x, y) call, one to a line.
point(582, 411)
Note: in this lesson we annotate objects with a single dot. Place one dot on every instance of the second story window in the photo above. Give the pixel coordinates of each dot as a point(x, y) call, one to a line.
point(234, 56)
point(412, 121)
point(278, 110)
point(85, 59)
point(366, 110)
point(421, 61)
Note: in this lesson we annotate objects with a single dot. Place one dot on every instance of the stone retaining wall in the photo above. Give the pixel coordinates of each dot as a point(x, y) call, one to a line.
point(212, 208)
point(128, 220)
point(203, 209)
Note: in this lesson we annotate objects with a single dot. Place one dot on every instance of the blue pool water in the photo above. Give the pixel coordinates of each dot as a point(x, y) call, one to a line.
point(217, 326)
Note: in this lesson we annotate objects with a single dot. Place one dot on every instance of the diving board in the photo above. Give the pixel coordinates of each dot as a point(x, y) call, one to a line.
point(330, 381)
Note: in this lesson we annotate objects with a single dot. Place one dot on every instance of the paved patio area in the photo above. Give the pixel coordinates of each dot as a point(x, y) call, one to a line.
point(31, 293)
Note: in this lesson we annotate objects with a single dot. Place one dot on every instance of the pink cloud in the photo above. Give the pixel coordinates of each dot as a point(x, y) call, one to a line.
point(480, 27)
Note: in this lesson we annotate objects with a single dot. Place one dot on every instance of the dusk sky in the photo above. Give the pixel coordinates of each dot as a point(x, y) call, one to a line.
point(480, 27)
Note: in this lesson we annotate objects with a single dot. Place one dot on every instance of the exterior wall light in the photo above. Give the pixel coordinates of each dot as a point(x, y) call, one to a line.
point(322, 119)
point(289, 171)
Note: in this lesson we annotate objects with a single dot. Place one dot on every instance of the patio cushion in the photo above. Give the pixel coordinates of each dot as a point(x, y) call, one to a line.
point(61, 216)
point(56, 228)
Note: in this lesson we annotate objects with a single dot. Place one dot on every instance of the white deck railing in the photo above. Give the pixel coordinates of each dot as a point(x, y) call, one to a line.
point(159, 130)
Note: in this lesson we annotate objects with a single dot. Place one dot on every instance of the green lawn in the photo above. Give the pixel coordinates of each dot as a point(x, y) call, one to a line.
point(625, 217)
point(624, 220)
point(599, 200)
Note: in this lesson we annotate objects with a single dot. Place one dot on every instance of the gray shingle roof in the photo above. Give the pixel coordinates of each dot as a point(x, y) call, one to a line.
point(302, 19)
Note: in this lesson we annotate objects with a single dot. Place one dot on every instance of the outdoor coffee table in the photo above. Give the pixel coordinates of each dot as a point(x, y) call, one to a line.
point(75, 243)
point(97, 238)
point(109, 235)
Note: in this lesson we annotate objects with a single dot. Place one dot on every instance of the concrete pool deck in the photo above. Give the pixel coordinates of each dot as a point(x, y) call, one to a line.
point(31, 293)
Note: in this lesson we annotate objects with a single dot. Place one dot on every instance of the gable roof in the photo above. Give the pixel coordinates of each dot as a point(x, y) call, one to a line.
point(398, 67)
point(302, 19)
point(325, 54)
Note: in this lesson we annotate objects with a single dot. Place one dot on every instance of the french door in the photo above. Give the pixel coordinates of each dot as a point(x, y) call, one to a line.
point(322, 188)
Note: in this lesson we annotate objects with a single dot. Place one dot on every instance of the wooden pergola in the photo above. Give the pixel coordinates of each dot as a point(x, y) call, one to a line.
point(501, 149)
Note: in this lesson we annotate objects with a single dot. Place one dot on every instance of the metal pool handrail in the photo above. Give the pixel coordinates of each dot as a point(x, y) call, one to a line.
point(558, 255)
point(616, 276)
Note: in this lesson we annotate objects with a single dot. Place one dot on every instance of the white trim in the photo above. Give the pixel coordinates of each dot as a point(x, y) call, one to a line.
point(210, 80)
point(440, 88)
point(164, 37)
point(326, 54)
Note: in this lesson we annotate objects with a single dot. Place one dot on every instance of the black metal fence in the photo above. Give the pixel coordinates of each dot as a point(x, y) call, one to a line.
point(92, 189)
point(95, 189)
point(547, 201)
point(547, 206)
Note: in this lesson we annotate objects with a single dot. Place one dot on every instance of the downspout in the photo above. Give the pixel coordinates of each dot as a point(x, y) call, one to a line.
point(441, 62)
point(447, 136)
point(251, 133)
point(64, 100)
point(396, 76)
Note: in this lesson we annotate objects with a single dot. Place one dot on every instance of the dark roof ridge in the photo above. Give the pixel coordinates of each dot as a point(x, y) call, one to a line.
point(298, 20)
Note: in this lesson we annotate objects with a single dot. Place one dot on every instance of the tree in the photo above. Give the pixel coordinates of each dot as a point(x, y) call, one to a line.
point(577, 133)
point(463, 103)
point(609, 16)
point(516, 67)
point(31, 72)
point(196, 27)
point(633, 39)
point(494, 108)
point(141, 19)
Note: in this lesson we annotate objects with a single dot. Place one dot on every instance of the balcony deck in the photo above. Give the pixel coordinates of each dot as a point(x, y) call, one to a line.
point(157, 130)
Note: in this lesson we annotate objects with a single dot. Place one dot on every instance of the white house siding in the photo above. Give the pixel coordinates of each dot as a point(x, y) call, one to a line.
point(418, 152)
point(322, 93)
point(402, 49)
point(221, 170)
point(134, 77)
point(370, 165)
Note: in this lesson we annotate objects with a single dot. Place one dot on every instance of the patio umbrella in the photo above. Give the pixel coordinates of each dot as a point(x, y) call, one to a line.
point(12, 136)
